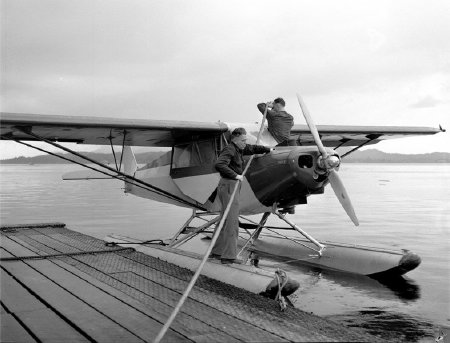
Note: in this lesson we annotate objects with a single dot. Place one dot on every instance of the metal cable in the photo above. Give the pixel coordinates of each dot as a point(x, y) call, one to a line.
point(148, 187)
point(38, 257)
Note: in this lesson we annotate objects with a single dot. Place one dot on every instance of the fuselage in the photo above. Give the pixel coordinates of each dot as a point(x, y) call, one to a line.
point(286, 176)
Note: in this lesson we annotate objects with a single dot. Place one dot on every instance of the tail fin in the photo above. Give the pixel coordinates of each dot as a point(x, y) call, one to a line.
point(129, 165)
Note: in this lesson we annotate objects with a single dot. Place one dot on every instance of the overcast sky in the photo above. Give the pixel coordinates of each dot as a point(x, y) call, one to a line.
point(354, 62)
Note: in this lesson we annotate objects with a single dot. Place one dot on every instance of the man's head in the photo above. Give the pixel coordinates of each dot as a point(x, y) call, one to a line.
point(279, 104)
point(239, 137)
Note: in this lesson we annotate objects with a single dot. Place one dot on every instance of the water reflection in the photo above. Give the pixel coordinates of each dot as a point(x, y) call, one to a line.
point(392, 326)
point(388, 288)
point(374, 319)
point(404, 288)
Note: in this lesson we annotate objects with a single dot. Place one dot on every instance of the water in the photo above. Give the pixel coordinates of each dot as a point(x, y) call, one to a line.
point(399, 206)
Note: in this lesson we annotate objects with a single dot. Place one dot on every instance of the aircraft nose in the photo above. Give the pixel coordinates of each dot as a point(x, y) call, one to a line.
point(331, 162)
point(302, 164)
point(334, 161)
point(301, 159)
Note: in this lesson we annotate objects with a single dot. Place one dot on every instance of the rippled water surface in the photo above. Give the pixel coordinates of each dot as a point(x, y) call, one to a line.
point(403, 206)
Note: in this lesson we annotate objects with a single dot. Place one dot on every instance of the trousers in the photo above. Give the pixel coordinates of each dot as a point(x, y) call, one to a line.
point(226, 244)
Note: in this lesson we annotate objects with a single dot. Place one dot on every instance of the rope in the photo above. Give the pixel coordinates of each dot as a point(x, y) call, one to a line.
point(39, 257)
point(281, 274)
point(211, 245)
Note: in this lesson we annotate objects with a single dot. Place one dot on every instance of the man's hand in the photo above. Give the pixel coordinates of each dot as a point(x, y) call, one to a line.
point(239, 177)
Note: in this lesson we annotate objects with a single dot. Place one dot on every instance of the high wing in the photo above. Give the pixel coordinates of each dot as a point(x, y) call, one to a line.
point(345, 135)
point(165, 133)
point(105, 131)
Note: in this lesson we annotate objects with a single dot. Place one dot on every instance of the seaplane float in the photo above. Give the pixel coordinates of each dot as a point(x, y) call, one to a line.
point(185, 176)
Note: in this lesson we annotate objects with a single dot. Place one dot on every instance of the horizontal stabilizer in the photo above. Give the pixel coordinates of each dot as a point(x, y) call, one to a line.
point(128, 167)
point(85, 175)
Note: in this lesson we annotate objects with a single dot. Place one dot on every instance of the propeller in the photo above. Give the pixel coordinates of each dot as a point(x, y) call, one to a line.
point(329, 162)
point(341, 193)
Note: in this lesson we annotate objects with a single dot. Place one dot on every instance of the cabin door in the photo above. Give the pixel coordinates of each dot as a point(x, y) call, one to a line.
point(193, 170)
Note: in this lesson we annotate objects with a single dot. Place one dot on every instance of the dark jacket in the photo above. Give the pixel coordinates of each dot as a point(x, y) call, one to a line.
point(279, 122)
point(231, 159)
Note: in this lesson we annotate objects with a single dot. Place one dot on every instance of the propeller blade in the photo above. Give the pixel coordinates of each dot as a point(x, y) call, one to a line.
point(341, 193)
point(333, 177)
point(312, 127)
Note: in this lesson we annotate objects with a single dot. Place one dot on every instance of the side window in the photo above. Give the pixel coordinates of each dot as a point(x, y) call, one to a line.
point(206, 152)
point(194, 154)
point(182, 156)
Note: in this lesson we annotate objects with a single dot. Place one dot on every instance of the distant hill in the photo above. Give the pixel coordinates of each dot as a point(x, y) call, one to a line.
point(377, 156)
point(367, 156)
point(100, 157)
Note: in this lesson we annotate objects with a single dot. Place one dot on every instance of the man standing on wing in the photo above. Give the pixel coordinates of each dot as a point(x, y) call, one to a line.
point(230, 165)
point(279, 121)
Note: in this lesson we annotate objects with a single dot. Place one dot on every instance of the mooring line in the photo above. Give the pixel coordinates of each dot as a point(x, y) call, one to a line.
point(211, 245)
point(38, 257)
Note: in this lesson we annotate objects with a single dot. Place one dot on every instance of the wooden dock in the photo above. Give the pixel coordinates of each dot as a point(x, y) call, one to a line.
point(58, 285)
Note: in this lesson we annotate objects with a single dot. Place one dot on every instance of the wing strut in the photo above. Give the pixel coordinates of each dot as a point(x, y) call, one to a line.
point(253, 237)
point(345, 140)
point(371, 138)
point(127, 177)
point(112, 148)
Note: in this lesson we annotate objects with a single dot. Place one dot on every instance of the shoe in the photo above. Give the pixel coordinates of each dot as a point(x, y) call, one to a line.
point(231, 261)
point(216, 256)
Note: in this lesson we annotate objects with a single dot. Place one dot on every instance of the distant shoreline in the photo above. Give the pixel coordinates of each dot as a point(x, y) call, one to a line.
point(367, 156)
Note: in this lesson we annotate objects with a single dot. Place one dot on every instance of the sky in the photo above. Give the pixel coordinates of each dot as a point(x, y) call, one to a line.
point(353, 62)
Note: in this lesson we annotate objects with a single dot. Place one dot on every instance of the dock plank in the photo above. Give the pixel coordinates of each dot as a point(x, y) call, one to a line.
point(131, 318)
point(89, 320)
point(35, 315)
point(146, 287)
point(195, 320)
point(168, 289)
point(242, 318)
point(12, 331)
point(182, 323)
point(15, 297)
point(244, 315)
point(256, 310)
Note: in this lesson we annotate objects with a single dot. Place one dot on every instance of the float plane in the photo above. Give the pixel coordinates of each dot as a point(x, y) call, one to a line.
point(185, 176)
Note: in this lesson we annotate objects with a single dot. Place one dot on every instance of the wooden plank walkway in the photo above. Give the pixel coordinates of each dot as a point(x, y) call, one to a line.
point(60, 285)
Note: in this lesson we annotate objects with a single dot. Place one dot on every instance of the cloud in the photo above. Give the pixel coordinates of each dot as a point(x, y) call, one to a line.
point(428, 101)
point(214, 60)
